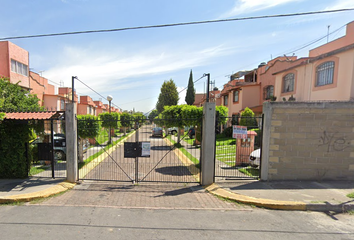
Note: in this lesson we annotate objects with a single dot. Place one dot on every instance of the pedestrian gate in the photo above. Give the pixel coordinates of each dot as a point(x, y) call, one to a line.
point(232, 151)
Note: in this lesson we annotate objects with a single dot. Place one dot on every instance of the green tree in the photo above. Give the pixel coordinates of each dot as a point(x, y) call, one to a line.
point(14, 136)
point(168, 95)
point(190, 96)
point(139, 117)
point(110, 120)
point(15, 98)
point(152, 115)
point(88, 126)
point(248, 119)
point(126, 121)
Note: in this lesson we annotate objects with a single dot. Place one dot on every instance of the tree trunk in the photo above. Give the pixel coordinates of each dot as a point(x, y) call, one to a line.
point(81, 151)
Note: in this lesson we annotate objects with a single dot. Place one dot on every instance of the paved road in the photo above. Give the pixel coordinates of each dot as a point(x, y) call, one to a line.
point(144, 195)
point(62, 222)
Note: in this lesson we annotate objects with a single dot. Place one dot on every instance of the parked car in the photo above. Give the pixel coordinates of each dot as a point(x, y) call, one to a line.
point(59, 146)
point(172, 130)
point(255, 158)
point(157, 132)
point(191, 133)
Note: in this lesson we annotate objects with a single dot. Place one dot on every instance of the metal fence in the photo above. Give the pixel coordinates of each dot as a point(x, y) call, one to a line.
point(48, 151)
point(171, 157)
point(233, 151)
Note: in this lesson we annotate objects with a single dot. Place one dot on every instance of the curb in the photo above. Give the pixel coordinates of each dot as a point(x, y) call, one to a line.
point(60, 187)
point(280, 205)
point(259, 202)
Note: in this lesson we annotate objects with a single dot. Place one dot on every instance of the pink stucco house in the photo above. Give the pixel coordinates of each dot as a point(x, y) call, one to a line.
point(240, 92)
point(214, 96)
point(327, 74)
point(40, 86)
point(86, 106)
point(100, 107)
point(14, 62)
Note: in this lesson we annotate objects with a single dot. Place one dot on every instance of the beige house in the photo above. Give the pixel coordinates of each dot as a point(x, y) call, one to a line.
point(327, 74)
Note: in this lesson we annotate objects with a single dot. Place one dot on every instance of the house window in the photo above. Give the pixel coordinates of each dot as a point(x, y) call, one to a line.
point(236, 96)
point(268, 92)
point(324, 74)
point(19, 68)
point(226, 99)
point(288, 82)
point(62, 104)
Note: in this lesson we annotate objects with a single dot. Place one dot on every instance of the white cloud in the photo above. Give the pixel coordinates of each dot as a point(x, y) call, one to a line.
point(116, 70)
point(248, 6)
point(339, 4)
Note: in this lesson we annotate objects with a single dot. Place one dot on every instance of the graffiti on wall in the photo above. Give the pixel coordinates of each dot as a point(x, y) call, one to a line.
point(334, 142)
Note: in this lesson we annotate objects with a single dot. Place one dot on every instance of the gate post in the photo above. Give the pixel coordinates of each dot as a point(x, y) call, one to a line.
point(71, 142)
point(208, 144)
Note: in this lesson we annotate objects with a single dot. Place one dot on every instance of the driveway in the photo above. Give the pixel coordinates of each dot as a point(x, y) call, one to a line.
point(145, 195)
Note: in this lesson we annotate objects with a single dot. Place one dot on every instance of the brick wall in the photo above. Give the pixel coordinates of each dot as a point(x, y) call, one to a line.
point(308, 141)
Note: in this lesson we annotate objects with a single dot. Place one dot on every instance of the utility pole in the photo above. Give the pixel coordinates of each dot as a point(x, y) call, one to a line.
point(72, 89)
point(208, 86)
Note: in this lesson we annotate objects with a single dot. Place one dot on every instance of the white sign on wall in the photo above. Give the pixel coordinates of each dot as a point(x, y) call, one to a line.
point(239, 131)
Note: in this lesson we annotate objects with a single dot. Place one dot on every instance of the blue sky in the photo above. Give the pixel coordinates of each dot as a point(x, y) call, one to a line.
point(132, 65)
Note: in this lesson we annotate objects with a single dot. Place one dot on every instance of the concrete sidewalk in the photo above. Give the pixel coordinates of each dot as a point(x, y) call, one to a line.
point(23, 190)
point(288, 195)
point(284, 195)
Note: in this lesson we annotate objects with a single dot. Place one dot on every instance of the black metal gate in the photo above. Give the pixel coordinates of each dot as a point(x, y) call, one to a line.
point(48, 151)
point(169, 160)
point(238, 148)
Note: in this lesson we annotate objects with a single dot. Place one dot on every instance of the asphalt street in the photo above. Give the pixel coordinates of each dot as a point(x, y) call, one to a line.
point(61, 222)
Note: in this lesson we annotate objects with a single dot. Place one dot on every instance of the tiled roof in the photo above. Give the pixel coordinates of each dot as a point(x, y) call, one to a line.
point(33, 115)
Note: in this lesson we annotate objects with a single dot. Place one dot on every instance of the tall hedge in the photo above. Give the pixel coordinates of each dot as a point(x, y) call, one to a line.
point(13, 160)
point(110, 120)
point(88, 126)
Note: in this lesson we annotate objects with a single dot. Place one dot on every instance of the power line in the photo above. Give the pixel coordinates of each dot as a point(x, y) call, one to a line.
point(96, 92)
point(303, 46)
point(315, 41)
point(179, 24)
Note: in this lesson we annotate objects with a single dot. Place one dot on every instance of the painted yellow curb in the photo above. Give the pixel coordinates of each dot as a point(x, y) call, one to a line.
point(60, 187)
point(259, 202)
point(186, 161)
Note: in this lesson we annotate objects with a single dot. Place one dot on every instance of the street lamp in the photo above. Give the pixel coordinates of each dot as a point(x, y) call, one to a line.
point(109, 98)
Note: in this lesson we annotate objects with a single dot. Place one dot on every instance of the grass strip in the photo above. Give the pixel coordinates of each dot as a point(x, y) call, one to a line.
point(350, 195)
point(103, 150)
point(250, 171)
point(185, 152)
point(37, 169)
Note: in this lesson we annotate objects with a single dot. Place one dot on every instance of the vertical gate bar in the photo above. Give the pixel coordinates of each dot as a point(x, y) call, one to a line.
point(77, 128)
point(52, 146)
point(260, 146)
point(136, 145)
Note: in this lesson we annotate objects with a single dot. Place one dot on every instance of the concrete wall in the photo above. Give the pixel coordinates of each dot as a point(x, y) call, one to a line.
point(308, 141)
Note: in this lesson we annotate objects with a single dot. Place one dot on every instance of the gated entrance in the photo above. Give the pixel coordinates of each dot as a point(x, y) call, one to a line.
point(170, 159)
point(241, 138)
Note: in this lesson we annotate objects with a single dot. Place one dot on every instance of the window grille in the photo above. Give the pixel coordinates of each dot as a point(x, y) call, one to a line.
point(325, 73)
point(288, 82)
